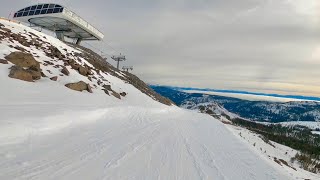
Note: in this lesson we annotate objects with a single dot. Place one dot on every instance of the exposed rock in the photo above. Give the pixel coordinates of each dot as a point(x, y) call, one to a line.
point(65, 71)
point(43, 75)
point(83, 71)
point(107, 87)
point(22, 59)
point(74, 65)
point(2, 61)
point(35, 72)
point(20, 48)
point(115, 94)
point(123, 94)
point(54, 78)
point(106, 91)
point(6, 29)
point(89, 89)
point(17, 72)
point(79, 86)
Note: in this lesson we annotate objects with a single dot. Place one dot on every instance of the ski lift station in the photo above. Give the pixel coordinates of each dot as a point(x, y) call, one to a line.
point(60, 20)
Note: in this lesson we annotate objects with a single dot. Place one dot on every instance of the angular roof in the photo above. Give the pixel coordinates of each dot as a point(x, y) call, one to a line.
point(55, 17)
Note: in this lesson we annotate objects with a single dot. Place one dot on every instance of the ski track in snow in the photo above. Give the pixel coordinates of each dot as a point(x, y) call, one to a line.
point(143, 144)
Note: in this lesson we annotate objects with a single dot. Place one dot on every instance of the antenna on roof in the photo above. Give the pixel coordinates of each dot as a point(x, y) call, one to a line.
point(127, 68)
point(118, 59)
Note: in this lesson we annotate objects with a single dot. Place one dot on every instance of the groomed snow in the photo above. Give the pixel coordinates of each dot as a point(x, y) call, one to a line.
point(50, 132)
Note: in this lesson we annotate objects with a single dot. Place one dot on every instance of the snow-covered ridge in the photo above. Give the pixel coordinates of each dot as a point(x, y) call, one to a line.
point(68, 64)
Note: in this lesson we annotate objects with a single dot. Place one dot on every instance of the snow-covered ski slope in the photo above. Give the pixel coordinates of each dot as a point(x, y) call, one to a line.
point(50, 132)
point(59, 134)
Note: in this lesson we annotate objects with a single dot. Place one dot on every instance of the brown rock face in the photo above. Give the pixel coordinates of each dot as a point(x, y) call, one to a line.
point(65, 71)
point(2, 61)
point(115, 94)
point(22, 59)
point(17, 72)
point(54, 78)
point(83, 71)
point(79, 86)
point(35, 72)
point(107, 87)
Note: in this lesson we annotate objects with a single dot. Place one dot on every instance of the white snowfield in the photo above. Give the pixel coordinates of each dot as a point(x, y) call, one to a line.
point(50, 132)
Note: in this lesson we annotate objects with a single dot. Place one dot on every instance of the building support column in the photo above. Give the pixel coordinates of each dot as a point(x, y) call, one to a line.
point(60, 35)
point(78, 41)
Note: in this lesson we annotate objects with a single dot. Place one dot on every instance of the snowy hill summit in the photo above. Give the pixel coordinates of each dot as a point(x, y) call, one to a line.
point(32, 56)
point(66, 113)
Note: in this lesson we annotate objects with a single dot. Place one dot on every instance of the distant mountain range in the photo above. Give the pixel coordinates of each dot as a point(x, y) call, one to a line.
point(254, 110)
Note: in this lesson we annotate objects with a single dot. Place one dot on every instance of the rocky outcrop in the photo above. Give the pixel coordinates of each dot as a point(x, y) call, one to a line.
point(17, 72)
point(54, 78)
point(65, 71)
point(79, 86)
point(35, 72)
point(2, 61)
point(22, 59)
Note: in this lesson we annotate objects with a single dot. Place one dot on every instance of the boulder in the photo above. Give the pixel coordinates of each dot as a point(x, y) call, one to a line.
point(22, 59)
point(106, 91)
point(83, 71)
point(2, 61)
point(18, 72)
point(89, 89)
point(79, 86)
point(115, 94)
point(123, 94)
point(107, 87)
point(74, 65)
point(35, 72)
point(65, 71)
point(54, 78)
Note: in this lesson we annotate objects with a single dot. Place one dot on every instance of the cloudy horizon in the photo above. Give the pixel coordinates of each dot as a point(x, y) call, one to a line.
point(270, 46)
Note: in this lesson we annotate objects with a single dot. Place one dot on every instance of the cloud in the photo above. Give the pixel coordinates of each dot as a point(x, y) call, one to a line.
point(229, 44)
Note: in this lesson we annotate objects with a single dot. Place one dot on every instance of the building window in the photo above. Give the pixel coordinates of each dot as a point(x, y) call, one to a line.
point(44, 11)
point(39, 7)
point(50, 11)
point(56, 10)
point(46, 6)
point(25, 13)
point(31, 13)
point(33, 7)
point(37, 12)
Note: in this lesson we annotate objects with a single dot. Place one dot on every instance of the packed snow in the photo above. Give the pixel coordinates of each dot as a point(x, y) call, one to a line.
point(50, 132)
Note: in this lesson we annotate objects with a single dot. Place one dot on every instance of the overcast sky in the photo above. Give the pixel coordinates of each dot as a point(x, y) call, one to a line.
point(254, 45)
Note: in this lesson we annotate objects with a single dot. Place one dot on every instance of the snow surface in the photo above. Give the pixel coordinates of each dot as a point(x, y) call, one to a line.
point(50, 132)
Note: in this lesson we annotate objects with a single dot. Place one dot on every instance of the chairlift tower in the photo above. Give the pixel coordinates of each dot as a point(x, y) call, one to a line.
point(127, 68)
point(118, 59)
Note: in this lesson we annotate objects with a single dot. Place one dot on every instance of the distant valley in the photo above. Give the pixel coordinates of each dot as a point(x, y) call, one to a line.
point(263, 111)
